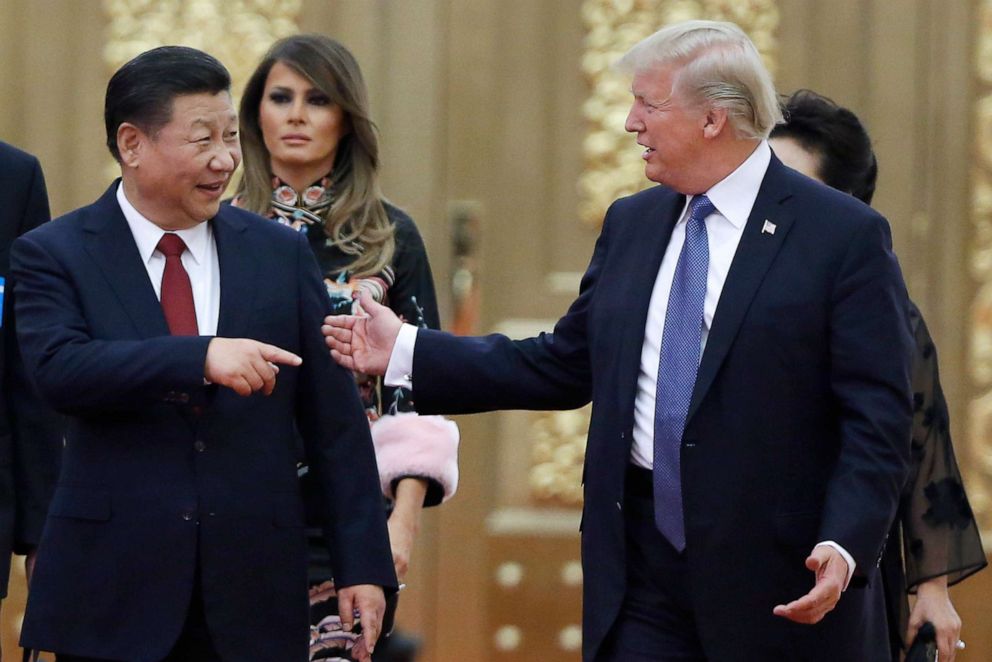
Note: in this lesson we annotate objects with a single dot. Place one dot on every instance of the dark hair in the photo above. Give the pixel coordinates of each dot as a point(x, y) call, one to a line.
point(837, 137)
point(141, 92)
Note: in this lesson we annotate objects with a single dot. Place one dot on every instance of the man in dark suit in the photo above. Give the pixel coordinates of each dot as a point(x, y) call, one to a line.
point(741, 332)
point(160, 325)
point(30, 433)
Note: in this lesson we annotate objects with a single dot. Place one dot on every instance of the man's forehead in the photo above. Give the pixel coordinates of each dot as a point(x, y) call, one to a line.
point(654, 81)
point(203, 108)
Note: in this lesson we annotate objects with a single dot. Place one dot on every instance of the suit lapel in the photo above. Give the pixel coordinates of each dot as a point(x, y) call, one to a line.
point(647, 248)
point(237, 274)
point(755, 254)
point(109, 241)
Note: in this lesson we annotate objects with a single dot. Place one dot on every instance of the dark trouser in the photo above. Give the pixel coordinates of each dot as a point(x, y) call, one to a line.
point(656, 622)
point(194, 643)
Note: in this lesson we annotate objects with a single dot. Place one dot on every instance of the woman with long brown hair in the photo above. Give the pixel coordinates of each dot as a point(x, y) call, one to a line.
point(311, 160)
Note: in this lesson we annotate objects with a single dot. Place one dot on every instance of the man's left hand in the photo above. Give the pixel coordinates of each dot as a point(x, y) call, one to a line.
point(831, 575)
point(370, 603)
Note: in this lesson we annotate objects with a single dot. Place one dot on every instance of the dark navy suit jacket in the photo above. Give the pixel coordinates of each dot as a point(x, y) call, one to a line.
point(30, 432)
point(798, 430)
point(161, 473)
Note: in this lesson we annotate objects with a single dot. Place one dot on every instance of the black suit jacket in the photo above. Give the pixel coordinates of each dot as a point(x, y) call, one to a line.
point(161, 473)
point(30, 432)
point(798, 430)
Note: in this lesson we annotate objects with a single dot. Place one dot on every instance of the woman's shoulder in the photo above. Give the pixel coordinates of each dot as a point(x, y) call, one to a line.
point(407, 234)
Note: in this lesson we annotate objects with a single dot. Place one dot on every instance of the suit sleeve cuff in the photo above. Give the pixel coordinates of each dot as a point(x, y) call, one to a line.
point(847, 557)
point(399, 372)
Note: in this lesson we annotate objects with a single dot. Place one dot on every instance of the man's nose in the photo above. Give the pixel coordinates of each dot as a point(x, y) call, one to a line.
point(633, 124)
point(226, 159)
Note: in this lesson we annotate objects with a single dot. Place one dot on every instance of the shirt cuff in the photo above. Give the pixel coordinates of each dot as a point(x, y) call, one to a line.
point(847, 557)
point(399, 372)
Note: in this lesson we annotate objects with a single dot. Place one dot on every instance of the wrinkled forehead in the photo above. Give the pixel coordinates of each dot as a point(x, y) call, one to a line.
point(203, 109)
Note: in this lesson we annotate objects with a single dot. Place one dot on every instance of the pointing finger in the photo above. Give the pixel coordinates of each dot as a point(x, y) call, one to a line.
point(278, 355)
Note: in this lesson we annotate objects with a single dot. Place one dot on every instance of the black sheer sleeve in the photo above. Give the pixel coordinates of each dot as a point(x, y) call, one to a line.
point(412, 295)
point(940, 535)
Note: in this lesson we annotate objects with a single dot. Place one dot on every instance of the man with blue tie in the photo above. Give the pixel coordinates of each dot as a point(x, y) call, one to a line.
point(182, 339)
point(741, 332)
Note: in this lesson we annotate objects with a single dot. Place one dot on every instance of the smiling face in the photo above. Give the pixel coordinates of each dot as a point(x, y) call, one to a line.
point(176, 176)
point(669, 128)
point(301, 126)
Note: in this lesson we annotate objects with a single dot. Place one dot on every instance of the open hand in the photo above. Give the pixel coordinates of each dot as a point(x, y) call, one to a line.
point(246, 366)
point(363, 343)
point(831, 576)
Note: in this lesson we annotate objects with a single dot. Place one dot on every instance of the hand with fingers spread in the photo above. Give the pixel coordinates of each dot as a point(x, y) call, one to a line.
point(363, 342)
point(369, 602)
point(246, 366)
point(831, 570)
point(933, 604)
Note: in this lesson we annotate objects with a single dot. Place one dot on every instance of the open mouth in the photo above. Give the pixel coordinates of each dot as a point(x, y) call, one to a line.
point(216, 188)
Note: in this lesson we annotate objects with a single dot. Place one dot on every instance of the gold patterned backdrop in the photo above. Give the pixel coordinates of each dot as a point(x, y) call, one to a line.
point(978, 473)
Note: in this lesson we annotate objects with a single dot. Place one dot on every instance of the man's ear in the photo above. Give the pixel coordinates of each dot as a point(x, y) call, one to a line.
point(715, 122)
point(130, 144)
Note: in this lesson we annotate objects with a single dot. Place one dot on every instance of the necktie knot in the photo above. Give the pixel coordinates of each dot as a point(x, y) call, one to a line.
point(171, 245)
point(700, 208)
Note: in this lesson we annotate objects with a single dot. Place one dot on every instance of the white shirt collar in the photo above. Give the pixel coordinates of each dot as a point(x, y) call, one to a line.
point(147, 234)
point(734, 195)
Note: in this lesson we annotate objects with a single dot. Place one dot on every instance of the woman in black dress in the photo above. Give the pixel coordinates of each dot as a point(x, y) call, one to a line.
point(939, 535)
point(311, 161)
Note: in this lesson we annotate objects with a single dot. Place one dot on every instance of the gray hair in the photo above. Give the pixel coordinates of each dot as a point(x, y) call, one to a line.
point(718, 66)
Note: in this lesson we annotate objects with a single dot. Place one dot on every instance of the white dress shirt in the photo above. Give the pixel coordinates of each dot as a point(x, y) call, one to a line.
point(199, 260)
point(733, 197)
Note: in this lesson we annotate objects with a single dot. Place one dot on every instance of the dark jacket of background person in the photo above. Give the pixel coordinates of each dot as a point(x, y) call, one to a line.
point(30, 432)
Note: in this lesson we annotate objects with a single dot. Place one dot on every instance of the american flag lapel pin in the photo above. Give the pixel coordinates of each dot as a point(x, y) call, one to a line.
point(768, 227)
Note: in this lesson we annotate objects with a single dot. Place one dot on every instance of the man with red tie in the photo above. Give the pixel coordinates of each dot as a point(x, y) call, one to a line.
point(183, 341)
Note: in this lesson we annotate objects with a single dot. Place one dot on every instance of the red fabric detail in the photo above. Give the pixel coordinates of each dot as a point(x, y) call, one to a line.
point(177, 292)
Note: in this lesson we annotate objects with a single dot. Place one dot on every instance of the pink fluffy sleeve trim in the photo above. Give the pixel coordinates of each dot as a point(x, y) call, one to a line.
point(408, 444)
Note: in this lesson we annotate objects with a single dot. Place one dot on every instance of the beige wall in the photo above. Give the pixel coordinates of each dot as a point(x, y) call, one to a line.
point(481, 101)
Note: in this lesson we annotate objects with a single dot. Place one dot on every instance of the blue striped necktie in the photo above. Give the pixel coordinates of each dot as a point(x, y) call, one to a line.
point(681, 344)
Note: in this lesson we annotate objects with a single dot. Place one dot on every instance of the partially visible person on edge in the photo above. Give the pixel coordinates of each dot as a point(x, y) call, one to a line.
point(183, 341)
point(30, 432)
point(741, 472)
point(939, 535)
point(311, 160)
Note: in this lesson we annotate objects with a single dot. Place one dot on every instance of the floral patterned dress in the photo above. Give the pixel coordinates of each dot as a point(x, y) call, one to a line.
point(414, 446)
point(935, 523)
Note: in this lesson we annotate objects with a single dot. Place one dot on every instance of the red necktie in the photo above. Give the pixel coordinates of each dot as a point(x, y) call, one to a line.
point(177, 293)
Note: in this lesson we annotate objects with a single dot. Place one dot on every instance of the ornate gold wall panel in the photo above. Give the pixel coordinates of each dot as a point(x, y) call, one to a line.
point(237, 32)
point(979, 430)
point(557, 454)
point(613, 167)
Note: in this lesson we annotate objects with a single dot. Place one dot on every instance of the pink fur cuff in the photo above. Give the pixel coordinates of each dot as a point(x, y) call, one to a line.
point(408, 444)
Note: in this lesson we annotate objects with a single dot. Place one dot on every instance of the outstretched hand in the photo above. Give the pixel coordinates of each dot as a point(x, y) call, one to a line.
point(831, 576)
point(363, 342)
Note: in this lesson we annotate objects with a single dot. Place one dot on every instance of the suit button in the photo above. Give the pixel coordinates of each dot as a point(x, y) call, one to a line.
point(188, 516)
point(199, 446)
point(184, 398)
